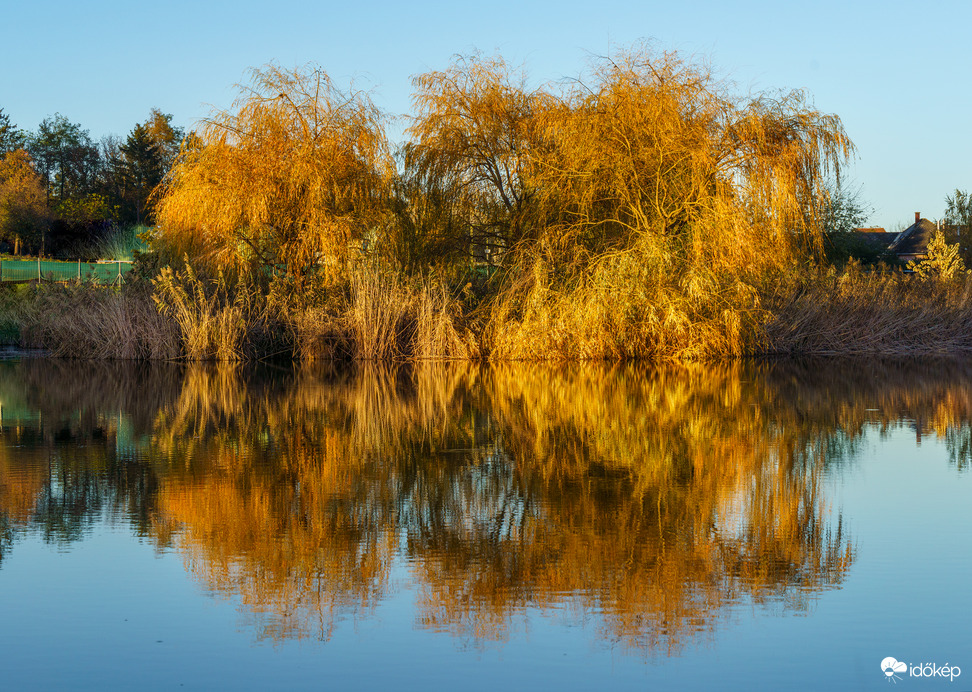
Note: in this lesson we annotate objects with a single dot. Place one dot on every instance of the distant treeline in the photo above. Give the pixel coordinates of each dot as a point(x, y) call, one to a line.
point(61, 193)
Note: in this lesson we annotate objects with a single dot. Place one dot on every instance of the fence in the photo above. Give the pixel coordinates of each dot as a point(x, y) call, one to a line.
point(52, 270)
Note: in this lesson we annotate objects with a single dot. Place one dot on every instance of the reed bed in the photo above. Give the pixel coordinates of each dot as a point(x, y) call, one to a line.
point(93, 322)
point(212, 320)
point(384, 317)
point(389, 317)
point(887, 313)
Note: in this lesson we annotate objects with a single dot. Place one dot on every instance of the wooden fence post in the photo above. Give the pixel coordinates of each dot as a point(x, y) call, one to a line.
point(38, 269)
point(79, 270)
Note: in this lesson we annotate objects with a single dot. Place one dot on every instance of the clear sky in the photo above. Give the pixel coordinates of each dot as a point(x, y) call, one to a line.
point(897, 73)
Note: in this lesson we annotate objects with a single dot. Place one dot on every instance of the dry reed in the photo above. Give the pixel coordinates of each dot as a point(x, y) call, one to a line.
point(855, 312)
point(393, 318)
point(212, 323)
point(102, 323)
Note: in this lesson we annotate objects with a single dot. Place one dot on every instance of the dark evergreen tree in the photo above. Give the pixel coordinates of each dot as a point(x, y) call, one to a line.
point(11, 138)
point(143, 170)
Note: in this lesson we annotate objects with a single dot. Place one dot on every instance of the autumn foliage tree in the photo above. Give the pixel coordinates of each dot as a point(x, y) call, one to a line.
point(471, 142)
point(643, 211)
point(24, 215)
point(638, 212)
point(292, 179)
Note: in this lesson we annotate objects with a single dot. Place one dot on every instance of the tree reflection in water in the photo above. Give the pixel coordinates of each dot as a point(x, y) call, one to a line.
point(648, 499)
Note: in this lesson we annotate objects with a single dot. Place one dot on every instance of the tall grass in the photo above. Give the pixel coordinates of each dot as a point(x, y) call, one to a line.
point(384, 316)
point(212, 322)
point(77, 321)
point(631, 306)
point(856, 312)
point(379, 315)
point(440, 330)
point(123, 242)
point(391, 317)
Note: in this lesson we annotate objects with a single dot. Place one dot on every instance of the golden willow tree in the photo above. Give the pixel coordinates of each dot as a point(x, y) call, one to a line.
point(291, 179)
point(647, 212)
point(640, 214)
point(471, 144)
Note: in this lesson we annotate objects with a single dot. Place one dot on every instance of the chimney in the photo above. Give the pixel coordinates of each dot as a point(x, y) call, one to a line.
point(917, 216)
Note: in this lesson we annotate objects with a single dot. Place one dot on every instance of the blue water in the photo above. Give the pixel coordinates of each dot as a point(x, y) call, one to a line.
point(522, 529)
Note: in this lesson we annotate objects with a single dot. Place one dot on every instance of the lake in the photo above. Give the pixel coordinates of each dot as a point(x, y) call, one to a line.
point(779, 524)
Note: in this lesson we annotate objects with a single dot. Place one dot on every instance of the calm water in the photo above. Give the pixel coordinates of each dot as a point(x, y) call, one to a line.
point(781, 525)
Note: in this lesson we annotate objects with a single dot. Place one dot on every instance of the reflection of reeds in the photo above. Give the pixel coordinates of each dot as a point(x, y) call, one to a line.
point(91, 394)
point(21, 483)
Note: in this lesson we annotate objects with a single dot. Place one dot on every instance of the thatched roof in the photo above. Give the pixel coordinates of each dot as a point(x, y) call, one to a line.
point(914, 239)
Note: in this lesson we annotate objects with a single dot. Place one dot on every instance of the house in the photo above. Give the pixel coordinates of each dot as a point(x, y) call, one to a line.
point(911, 245)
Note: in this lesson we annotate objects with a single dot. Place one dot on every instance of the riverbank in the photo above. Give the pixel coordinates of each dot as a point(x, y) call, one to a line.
point(386, 317)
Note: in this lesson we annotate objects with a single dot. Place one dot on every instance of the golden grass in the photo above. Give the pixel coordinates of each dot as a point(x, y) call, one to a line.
point(856, 312)
point(390, 317)
point(212, 321)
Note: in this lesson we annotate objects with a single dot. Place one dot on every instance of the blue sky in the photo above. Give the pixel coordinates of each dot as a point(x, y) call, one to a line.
point(896, 74)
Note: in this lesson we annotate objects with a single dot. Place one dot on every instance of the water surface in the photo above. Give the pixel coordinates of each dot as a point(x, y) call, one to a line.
point(586, 527)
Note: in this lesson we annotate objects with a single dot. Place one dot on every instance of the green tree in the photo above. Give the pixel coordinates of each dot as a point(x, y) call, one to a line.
point(958, 222)
point(841, 211)
point(110, 182)
point(142, 169)
point(66, 159)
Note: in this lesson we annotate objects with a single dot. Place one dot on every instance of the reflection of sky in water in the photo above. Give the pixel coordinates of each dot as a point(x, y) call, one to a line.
point(113, 611)
point(906, 595)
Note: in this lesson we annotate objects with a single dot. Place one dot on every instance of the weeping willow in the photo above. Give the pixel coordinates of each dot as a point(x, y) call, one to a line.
point(644, 211)
point(638, 213)
point(290, 179)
